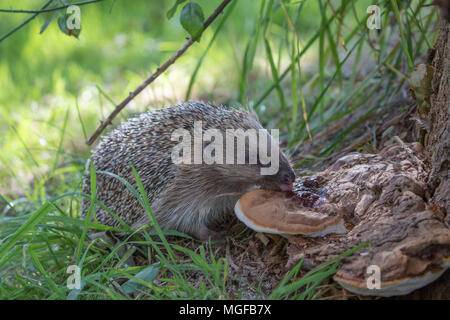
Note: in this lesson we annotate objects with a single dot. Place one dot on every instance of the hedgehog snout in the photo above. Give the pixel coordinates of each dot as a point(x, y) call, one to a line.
point(286, 178)
point(283, 180)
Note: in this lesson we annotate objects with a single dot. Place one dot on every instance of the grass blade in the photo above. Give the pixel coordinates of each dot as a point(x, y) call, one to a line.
point(35, 218)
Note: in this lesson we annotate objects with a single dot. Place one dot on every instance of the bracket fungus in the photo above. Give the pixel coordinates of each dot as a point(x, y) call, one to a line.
point(302, 211)
point(383, 201)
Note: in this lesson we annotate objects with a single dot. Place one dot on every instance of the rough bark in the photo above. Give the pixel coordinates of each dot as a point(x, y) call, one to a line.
point(437, 142)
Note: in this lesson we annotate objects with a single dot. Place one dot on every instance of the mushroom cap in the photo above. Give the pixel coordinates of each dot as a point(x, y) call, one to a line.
point(408, 265)
point(277, 212)
point(397, 287)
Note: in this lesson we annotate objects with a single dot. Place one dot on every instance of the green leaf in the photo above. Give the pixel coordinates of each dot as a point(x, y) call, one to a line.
point(46, 24)
point(146, 275)
point(174, 8)
point(62, 23)
point(192, 19)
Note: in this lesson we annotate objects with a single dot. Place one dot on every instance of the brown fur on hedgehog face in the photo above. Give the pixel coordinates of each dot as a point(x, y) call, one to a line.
point(245, 167)
point(250, 175)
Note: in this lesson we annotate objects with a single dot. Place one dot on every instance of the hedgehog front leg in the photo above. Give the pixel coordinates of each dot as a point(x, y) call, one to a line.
point(204, 233)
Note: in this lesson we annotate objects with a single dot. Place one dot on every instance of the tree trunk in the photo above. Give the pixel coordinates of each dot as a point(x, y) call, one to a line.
point(438, 140)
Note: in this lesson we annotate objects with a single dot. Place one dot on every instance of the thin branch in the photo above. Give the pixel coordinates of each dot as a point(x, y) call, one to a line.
point(48, 9)
point(25, 22)
point(155, 75)
point(364, 138)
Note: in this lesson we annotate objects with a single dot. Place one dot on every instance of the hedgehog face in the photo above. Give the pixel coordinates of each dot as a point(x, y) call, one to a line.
point(234, 155)
point(283, 179)
point(243, 176)
point(260, 163)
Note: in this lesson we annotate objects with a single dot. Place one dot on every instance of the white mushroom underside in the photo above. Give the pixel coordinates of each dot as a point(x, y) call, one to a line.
point(337, 228)
point(399, 288)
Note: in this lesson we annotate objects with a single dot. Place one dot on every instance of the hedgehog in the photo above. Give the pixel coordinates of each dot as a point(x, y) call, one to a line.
point(192, 198)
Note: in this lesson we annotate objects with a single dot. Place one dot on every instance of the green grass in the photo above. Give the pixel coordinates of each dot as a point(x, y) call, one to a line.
point(303, 66)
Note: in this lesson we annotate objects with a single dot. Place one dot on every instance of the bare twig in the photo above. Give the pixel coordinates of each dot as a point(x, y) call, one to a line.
point(229, 258)
point(155, 75)
point(25, 22)
point(363, 139)
point(366, 137)
point(48, 9)
point(408, 150)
